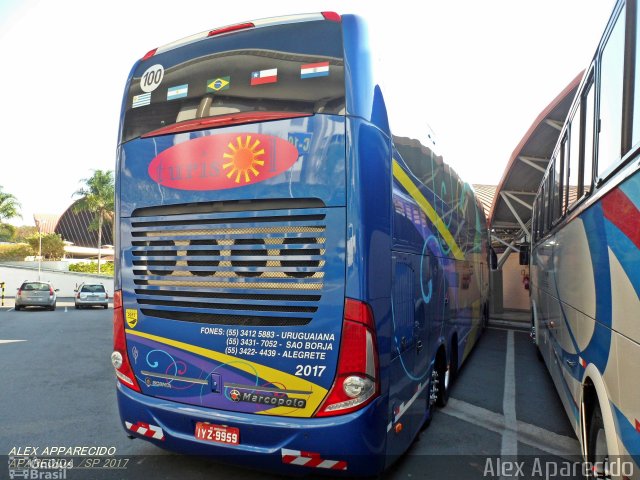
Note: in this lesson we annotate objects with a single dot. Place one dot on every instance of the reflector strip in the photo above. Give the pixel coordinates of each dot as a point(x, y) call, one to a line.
point(145, 429)
point(583, 363)
point(637, 426)
point(311, 459)
point(405, 406)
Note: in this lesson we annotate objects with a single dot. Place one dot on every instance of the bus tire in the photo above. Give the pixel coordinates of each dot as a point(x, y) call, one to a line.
point(597, 450)
point(444, 379)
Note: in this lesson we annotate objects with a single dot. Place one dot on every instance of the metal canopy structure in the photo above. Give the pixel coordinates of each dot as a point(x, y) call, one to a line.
point(510, 215)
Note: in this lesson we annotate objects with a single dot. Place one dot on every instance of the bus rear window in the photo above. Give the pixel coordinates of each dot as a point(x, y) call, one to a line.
point(297, 68)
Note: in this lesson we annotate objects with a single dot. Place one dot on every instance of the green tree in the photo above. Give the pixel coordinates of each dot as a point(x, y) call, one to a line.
point(7, 232)
point(15, 252)
point(24, 232)
point(9, 206)
point(52, 245)
point(97, 197)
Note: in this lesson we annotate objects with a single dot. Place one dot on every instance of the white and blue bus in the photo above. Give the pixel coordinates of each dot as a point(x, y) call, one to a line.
point(585, 262)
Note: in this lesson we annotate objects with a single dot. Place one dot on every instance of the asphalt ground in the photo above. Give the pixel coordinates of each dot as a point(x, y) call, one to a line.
point(57, 388)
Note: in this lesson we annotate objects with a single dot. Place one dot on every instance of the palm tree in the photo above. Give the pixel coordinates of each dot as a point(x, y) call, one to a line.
point(97, 197)
point(9, 206)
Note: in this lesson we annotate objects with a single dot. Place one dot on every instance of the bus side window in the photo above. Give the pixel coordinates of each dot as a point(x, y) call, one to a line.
point(538, 217)
point(564, 153)
point(557, 188)
point(611, 84)
point(574, 160)
point(541, 213)
point(588, 105)
point(548, 201)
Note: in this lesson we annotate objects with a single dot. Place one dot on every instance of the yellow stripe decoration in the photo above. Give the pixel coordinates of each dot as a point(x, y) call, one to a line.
point(268, 374)
point(426, 207)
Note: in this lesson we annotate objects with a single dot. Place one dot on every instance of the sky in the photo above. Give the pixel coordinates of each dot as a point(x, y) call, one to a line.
point(477, 73)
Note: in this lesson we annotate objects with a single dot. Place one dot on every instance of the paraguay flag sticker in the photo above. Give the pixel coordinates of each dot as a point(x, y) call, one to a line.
point(312, 70)
point(264, 76)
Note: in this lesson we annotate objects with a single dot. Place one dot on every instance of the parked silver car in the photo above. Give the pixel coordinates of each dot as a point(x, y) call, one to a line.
point(91, 295)
point(36, 294)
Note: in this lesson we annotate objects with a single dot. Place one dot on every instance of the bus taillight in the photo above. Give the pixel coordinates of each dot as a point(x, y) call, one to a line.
point(149, 54)
point(119, 357)
point(332, 16)
point(231, 28)
point(357, 381)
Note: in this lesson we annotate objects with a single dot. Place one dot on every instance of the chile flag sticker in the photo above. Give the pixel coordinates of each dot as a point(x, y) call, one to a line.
point(219, 162)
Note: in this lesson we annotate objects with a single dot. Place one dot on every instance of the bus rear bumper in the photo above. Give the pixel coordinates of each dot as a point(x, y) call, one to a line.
point(349, 445)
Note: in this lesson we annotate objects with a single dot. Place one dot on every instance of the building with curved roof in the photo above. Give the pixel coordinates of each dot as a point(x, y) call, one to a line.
point(510, 214)
point(74, 227)
point(511, 208)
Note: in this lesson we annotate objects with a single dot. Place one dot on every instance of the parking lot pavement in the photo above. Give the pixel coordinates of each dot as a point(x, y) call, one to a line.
point(503, 407)
point(58, 389)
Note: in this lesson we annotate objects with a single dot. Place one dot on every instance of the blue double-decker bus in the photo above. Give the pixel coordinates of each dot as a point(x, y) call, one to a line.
point(296, 287)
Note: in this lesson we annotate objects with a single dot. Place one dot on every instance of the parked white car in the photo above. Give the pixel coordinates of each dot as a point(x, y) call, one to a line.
point(91, 295)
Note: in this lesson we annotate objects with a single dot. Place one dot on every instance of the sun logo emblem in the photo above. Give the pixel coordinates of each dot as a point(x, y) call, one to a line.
point(243, 159)
point(235, 395)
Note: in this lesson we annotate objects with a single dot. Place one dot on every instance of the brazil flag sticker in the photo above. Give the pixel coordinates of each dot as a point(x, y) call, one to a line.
point(218, 84)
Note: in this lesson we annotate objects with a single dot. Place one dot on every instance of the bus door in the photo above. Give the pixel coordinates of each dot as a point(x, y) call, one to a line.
point(409, 353)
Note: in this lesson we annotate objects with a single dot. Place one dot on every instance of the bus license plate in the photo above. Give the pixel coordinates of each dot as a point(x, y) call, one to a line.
point(217, 433)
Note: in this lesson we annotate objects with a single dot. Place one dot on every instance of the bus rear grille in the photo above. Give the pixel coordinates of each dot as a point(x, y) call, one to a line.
point(230, 268)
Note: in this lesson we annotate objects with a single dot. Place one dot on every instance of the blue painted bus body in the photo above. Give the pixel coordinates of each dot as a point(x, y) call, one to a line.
point(211, 310)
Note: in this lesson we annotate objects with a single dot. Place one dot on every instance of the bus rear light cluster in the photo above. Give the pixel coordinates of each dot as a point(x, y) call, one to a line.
point(119, 357)
point(357, 380)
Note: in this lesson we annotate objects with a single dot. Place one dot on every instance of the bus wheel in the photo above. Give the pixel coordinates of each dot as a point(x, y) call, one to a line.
point(443, 380)
point(431, 399)
point(597, 451)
